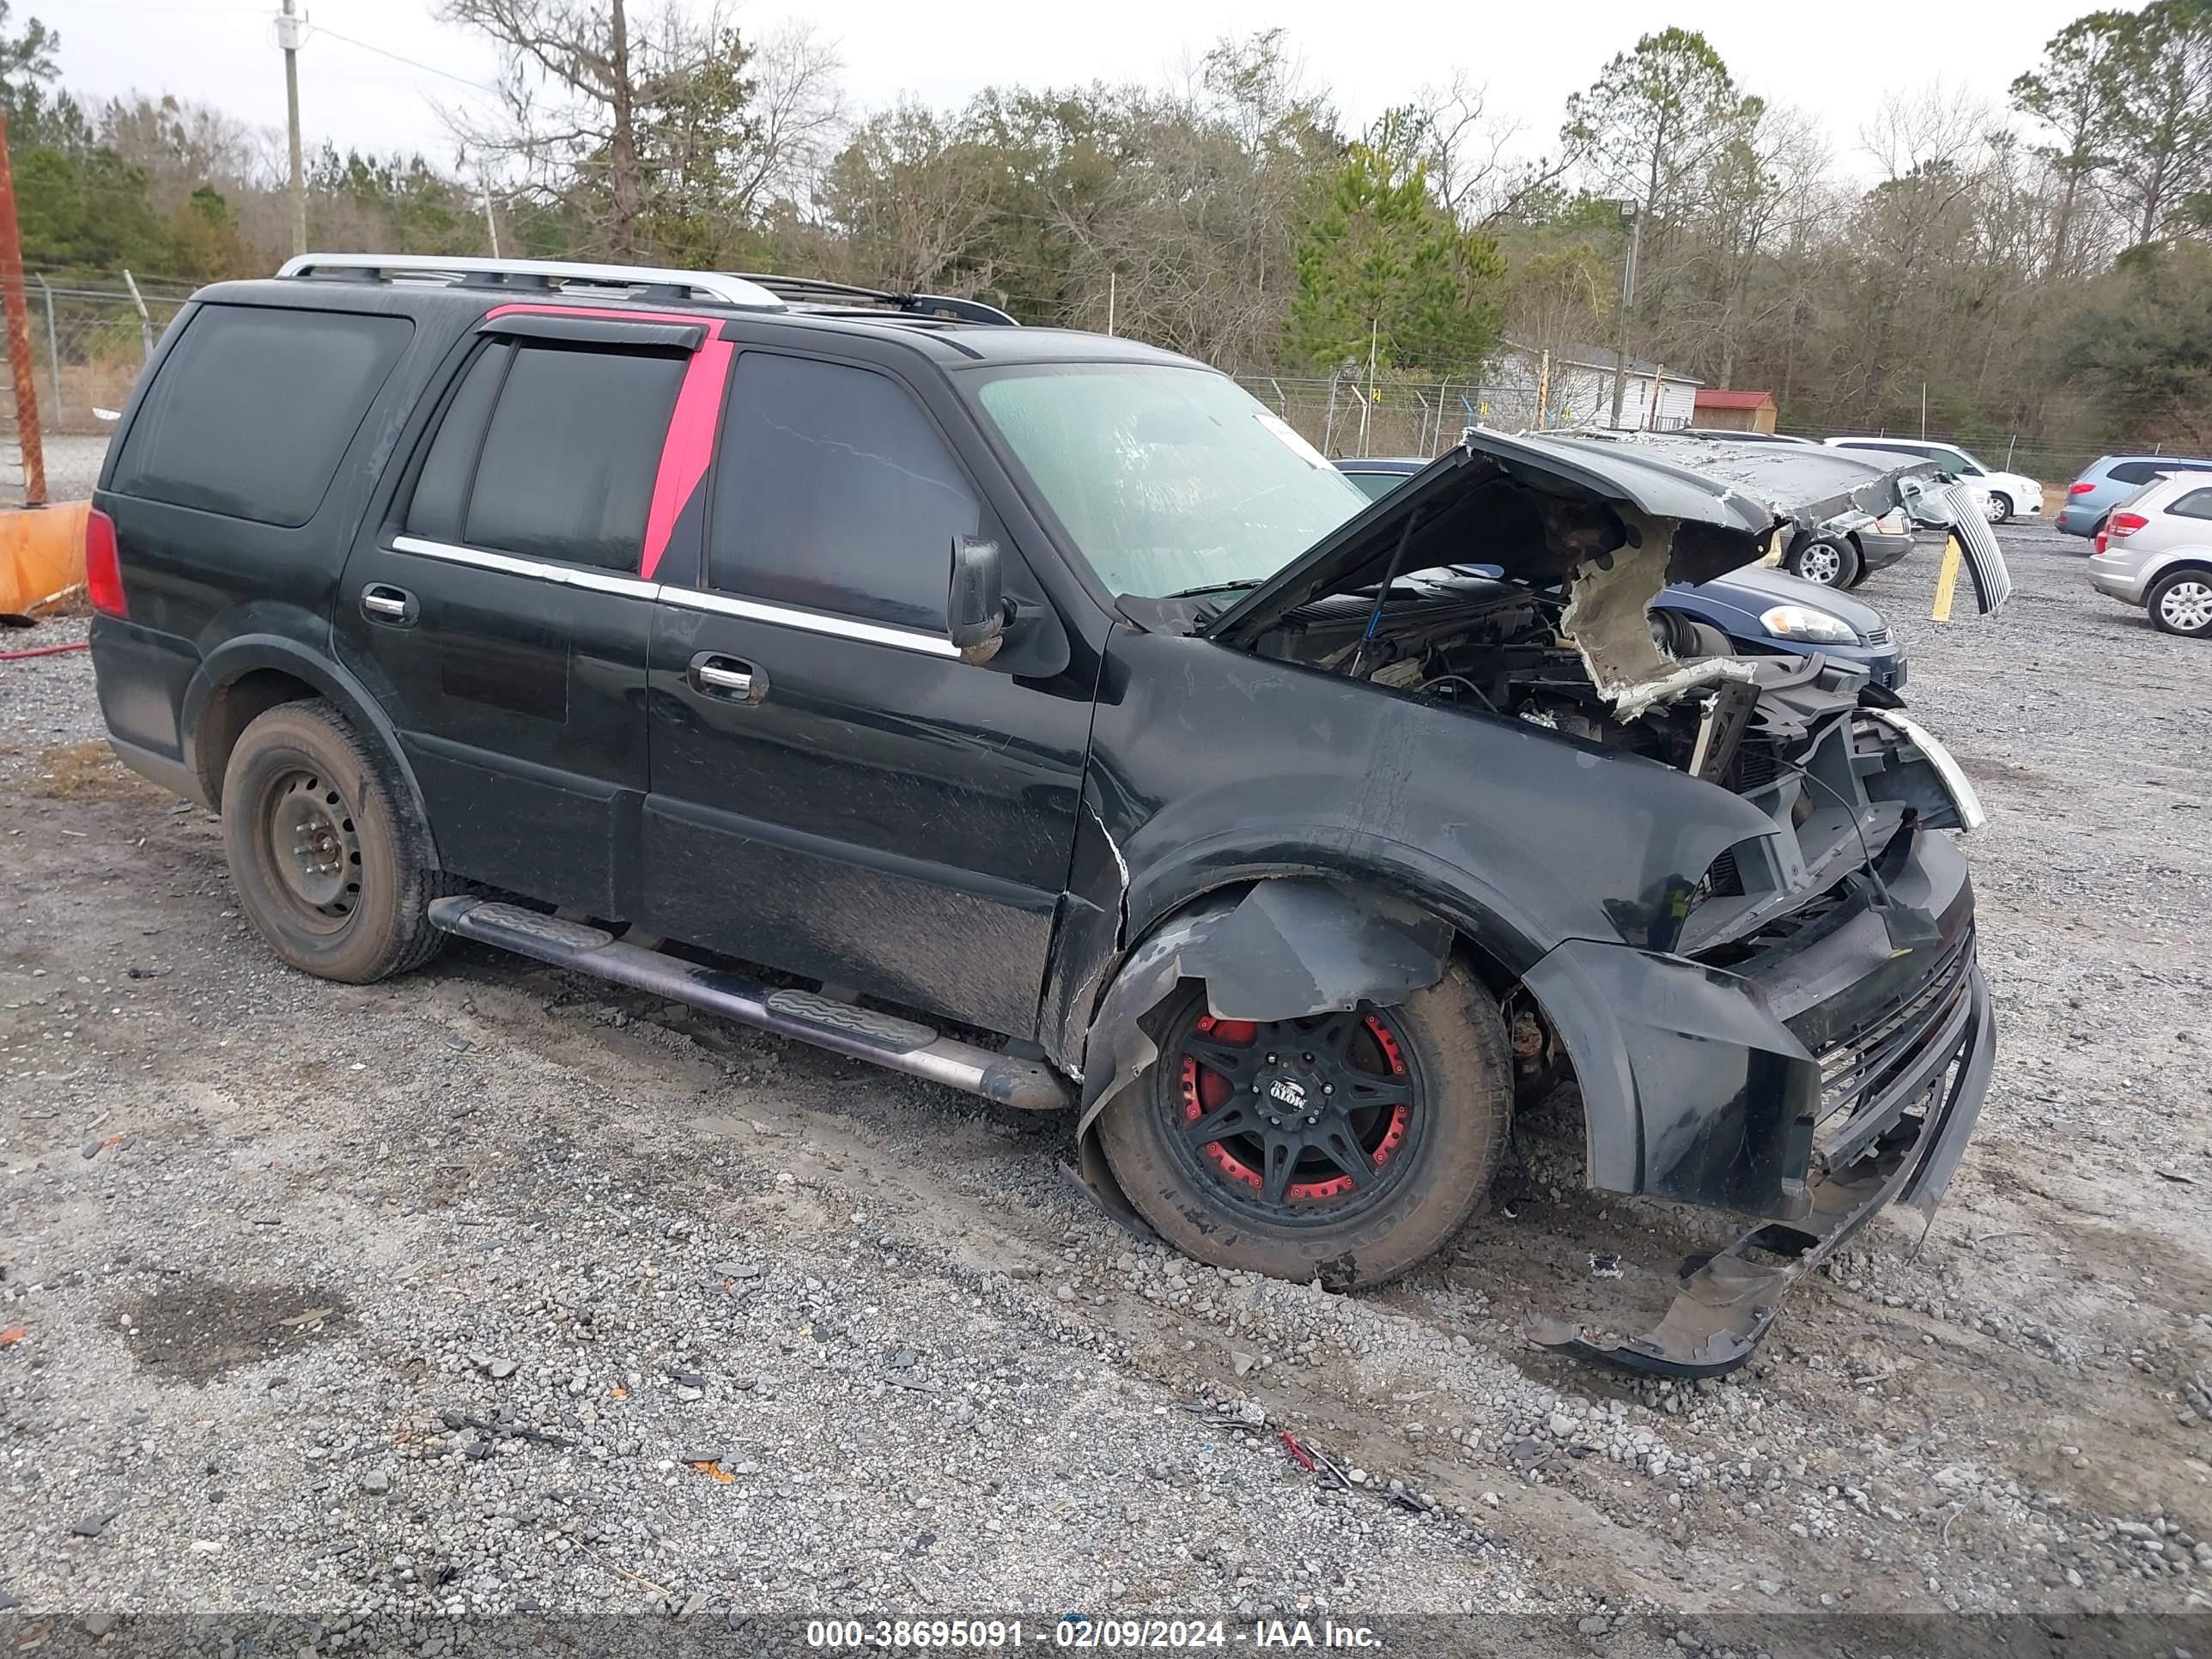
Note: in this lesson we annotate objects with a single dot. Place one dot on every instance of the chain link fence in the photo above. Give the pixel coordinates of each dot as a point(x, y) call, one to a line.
point(1342, 415)
point(89, 337)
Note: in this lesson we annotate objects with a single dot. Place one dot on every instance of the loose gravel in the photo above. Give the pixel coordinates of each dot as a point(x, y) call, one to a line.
point(490, 1289)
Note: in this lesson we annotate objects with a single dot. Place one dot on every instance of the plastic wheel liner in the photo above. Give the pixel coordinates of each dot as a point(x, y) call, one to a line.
point(1723, 1308)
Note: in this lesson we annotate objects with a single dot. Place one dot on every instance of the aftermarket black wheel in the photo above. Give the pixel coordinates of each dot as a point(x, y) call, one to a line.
point(325, 866)
point(1346, 1147)
point(2182, 604)
point(1829, 562)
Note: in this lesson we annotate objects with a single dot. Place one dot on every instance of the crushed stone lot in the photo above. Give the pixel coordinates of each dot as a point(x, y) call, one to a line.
point(493, 1289)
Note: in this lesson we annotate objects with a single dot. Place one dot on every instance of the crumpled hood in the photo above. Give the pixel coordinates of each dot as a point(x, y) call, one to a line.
point(1546, 508)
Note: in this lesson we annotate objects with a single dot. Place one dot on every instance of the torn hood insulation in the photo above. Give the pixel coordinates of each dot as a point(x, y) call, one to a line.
point(1547, 510)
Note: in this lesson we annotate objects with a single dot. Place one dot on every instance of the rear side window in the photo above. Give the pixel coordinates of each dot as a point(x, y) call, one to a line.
point(2135, 472)
point(2197, 504)
point(835, 492)
point(254, 408)
point(549, 451)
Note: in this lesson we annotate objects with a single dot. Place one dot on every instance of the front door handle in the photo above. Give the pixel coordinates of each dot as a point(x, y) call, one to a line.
point(395, 607)
point(727, 678)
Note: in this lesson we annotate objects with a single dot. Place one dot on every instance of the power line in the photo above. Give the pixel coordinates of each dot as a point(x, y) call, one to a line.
point(398, 57)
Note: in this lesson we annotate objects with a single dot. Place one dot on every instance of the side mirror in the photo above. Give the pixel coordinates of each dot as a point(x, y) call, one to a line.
point(975, 606)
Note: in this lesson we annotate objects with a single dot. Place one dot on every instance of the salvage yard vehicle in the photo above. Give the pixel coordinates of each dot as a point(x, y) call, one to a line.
point(1040, 715)
point(2110, 480)
point(2001, 495)
point(2156, 552)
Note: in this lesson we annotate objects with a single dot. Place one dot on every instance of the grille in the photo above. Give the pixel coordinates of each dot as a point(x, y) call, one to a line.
point(1866, 1079)
point(1724, 880)
point(1756, 766)
point(1877, 636)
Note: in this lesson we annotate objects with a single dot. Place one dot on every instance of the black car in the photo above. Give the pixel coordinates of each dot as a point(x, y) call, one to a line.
point(1043, 717)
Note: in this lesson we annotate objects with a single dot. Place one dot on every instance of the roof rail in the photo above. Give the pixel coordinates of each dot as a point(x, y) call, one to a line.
point(461, 269)
point(812, 290)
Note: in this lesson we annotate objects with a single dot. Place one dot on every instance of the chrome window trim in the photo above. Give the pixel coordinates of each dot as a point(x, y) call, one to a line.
point(849, 628)
point(600, 581)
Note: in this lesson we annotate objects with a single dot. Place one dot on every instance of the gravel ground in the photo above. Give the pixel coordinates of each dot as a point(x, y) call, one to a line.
point(487, 1290)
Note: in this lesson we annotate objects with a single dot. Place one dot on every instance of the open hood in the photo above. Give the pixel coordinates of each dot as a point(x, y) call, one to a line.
point(1626, 514)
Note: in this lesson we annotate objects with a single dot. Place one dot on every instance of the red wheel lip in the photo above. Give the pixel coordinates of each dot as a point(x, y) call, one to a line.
point(1233, 1168)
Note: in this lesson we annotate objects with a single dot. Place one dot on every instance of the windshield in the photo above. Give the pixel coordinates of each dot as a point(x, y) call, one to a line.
point(1167, 480)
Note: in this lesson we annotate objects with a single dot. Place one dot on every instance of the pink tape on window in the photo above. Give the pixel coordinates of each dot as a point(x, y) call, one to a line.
point(688, 447)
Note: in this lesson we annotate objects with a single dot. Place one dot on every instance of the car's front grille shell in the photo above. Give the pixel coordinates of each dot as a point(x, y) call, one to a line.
point(1876, 1072)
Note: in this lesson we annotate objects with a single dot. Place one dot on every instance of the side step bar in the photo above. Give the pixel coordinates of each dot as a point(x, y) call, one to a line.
point(901, 1045)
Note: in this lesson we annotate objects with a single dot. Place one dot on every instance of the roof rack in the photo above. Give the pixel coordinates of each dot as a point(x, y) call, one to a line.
point(812, 290)
point(644, 281)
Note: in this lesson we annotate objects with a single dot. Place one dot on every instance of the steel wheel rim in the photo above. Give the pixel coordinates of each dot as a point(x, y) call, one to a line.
point(1297, 1122)
point(1995, 510)
point(1820, 563)
point(314, 847)
point(2187, 606)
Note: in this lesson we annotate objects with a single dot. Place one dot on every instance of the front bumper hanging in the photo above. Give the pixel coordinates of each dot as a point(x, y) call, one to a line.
point(1723, 1309)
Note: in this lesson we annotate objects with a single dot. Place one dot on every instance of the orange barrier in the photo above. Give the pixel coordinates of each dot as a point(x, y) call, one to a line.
point(41, 554)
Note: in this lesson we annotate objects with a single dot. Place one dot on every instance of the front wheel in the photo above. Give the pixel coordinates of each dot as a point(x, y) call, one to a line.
point(1346, 1146)
point(2182, 604)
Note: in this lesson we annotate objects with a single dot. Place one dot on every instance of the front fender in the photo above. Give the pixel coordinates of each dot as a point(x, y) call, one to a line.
point(1691, 1088)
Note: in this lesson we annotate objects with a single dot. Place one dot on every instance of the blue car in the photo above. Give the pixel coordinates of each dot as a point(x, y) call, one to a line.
point(2112, 479)
point(1761, 611)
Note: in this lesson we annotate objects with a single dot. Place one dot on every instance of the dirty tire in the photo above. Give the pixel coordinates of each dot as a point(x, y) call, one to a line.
point(302, 777)
point(1461, 1055)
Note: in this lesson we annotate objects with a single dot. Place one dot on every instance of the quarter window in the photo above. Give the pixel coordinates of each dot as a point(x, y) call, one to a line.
point(834, 492)
point(2197, 504)
point(549, 451)
point(254, 408)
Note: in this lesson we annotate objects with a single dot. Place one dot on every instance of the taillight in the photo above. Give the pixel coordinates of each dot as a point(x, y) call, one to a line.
point(2081, 489)
point(2102, 541)
point(2125, 524)
point(103, 574)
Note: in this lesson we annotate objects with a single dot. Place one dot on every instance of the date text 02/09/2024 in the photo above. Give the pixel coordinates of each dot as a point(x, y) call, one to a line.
point(1080, 1630)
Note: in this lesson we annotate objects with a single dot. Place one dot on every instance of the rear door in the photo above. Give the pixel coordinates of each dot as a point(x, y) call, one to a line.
point(500, 612)
point(835, 792)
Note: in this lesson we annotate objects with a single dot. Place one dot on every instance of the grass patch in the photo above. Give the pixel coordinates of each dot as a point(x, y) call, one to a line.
point(86, 771)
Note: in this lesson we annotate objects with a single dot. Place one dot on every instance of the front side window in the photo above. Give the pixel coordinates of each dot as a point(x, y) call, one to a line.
point(253, 407)
point(1167, 480)
point(549, 451)
point(834, 491)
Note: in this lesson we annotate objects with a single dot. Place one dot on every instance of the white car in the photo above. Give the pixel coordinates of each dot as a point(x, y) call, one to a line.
point(2003, 496)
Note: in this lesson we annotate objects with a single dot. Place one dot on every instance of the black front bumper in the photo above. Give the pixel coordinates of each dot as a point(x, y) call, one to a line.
point(1829, 1073)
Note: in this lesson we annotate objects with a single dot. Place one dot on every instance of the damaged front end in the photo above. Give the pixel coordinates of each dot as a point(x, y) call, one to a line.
point(1802, 1036)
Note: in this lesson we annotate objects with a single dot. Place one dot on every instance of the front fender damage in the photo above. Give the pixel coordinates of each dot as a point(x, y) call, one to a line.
point(1279, 950)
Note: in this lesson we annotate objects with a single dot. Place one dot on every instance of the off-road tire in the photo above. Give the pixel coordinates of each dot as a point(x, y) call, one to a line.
point(1466, 1065)
point(386, 929)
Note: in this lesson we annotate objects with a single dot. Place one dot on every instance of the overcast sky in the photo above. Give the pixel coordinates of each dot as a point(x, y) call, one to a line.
point(1836, 61)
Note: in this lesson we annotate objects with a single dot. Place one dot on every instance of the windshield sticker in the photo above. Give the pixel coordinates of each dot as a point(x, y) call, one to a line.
point(1288, 433)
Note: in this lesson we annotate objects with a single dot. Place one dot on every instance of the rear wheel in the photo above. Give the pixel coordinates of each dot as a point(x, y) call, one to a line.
point(1830, 563)
point(1347, 1145)
point(2000, 507)
point(323, 860)
point(2182, 604)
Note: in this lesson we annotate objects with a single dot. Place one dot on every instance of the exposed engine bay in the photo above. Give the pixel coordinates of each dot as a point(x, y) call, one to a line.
point(1827, 757)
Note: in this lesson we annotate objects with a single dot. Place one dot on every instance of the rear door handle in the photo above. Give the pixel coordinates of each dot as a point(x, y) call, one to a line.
point(395, 607)
point(726, 678)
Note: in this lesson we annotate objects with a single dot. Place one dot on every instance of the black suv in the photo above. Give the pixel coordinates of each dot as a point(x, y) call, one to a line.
point(1037, 713)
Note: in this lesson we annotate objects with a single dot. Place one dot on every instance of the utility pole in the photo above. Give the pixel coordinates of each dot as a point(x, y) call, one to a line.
point(27, 435)
point(288, 36)
point(1111, 280)
point(491, 225)
point(1627, 301)
point(1367, 403)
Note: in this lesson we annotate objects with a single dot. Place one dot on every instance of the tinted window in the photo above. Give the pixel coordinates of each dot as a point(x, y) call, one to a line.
point(2197, 504)
point(568, 461)
point(833, 491)
point(2133, 472)
point(441, 493)
point(254, 408)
